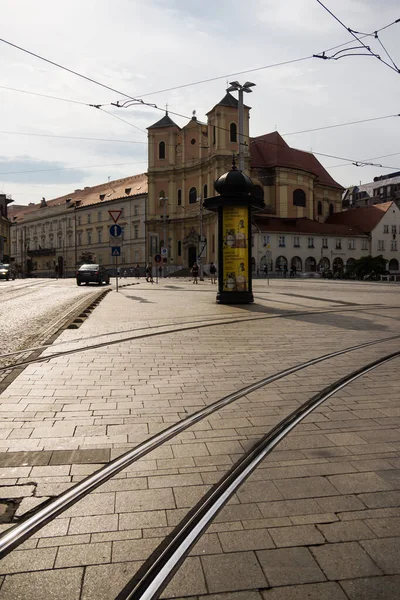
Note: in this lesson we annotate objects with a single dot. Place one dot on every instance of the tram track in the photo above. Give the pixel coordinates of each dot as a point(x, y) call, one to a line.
point(43, 514)
point(153, 576)
point(191, 327)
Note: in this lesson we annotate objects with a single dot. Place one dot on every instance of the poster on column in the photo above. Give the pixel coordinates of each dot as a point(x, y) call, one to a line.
point(235, 228)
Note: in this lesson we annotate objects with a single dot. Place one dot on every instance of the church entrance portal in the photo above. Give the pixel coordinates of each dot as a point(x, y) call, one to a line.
point(192, 256)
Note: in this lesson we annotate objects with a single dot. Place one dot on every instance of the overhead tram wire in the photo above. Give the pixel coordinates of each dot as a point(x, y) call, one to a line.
point(142, 162)
point(4, 87)
point(372, 158)
point(71, 137)
point(353, 33)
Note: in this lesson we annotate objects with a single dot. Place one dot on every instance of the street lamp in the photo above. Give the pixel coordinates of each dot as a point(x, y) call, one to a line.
point(165, 241)
point(235, 86)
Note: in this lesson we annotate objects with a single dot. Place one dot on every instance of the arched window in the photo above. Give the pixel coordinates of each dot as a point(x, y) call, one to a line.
point(393, 264)
point(296, 264)
point(299, 198)
point(324, 264)
point(205, 192)
point(310, 264)
point(161, 150)
point(192, 195)
point(179, 248)
point(319, 208)
point(331, 209)
point(233, 132)
point(179, 197)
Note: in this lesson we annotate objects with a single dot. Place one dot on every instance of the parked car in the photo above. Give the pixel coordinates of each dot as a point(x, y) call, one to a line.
point(7, 272)
point(92, 274)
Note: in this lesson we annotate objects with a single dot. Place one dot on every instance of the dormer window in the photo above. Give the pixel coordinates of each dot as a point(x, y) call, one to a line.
point(127, 191)
point(233, 132)
point(161, 150)
point(102, 196)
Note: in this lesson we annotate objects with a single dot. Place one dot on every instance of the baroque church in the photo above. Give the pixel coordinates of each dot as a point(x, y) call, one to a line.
point(185, 162)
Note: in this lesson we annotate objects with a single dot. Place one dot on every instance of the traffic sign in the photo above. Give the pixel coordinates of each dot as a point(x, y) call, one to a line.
point(164, 252)
point(157, 258)
point(115, 250)
point(115, 230)
point(115, 214)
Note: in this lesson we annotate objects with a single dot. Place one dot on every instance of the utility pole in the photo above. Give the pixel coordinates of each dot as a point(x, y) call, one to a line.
point(236, 86)
point(200, 257)
point(165, 241)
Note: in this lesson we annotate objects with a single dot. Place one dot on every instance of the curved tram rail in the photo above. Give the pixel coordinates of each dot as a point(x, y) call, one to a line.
point(158, 570)
point(45, 513)
point(199, 325)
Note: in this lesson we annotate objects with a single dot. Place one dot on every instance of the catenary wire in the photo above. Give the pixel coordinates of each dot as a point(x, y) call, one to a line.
point(76, 167)
point(73, 137)
point(372, 158)
point(4, 87)
point(351, 31)
point(30, 523)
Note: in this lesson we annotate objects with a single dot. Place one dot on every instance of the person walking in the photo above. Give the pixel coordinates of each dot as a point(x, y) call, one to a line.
point(137, 272)
point(265, 270)
point(195, 272)
point(149, 274)
point(213, 272)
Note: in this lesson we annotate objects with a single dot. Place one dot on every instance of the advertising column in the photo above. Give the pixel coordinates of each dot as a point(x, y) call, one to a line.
point(235, 227)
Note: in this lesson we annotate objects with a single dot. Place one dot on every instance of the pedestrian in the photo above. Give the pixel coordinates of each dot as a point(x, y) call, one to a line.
point(137, 272)
point(285, 270)
point(213, 272)
point(160, 271)
point(56, 271)
point(132, 271)
point(195, 272)
point(118, 272)
point(149, 274)
point(265, 269)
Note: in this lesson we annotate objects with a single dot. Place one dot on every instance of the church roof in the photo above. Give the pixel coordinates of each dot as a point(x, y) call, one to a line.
point(166, 121)
point(229, 101)
point(271, 150)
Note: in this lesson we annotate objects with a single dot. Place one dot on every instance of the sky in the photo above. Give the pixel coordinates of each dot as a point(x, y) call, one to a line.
point(141, 48)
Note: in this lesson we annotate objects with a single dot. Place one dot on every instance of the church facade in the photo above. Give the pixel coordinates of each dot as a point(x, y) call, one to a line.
point(185, 162)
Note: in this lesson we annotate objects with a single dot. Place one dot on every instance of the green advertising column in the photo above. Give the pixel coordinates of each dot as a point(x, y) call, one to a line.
point(234, 206)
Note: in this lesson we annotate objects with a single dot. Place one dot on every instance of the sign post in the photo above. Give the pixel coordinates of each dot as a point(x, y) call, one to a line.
point(116, 251)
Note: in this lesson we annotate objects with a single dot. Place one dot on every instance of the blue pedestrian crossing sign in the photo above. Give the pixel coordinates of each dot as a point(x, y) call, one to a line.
point(115, 230)
point(115, 250)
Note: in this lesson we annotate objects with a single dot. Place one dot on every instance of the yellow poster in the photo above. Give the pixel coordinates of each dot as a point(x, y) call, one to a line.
point(235, 228)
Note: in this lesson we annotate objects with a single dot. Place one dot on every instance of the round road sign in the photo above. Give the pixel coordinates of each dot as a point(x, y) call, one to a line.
point(157, 258)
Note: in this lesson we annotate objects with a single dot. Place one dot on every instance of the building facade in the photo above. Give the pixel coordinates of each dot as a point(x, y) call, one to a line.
point(185, 162)
point(4, 229)
point(382, 189)
point(381, 223)
point(59, 234)
point(305, 247)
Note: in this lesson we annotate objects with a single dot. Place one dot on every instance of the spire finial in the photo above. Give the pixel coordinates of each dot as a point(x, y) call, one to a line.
point(233, 163)
point(166, 110)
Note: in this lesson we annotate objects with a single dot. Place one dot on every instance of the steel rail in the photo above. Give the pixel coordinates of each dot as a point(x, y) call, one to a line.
point(176, 330)
point(32, 522)
point(158, 570)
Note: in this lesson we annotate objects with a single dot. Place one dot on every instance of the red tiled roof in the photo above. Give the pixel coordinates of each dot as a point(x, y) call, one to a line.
point(271, 150)
point(304, 225)
point(366, 218)
point(112, 190)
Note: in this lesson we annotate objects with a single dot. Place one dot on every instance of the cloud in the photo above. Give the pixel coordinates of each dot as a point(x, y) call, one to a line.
point(25, 169)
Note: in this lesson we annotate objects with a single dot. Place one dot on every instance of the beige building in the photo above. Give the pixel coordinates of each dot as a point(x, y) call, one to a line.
point(310, 247)
point(185, 162)
point(4, 229)
point(67, 231)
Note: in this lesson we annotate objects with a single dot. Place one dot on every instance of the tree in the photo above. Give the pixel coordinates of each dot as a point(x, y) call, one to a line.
point(86, 258)
point(369, 266)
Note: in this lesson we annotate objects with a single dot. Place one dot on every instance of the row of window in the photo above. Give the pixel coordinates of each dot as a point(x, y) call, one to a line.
point(381, 245)
point(70, 239)
point(394, 229)
point(57, 224)
point(310, 244)
point(232, 138)
point(192, 196)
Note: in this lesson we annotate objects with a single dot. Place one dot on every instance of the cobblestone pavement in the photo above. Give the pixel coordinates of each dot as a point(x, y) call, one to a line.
point(30, 309)
point(318, 519)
